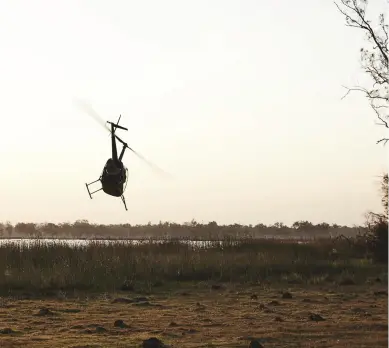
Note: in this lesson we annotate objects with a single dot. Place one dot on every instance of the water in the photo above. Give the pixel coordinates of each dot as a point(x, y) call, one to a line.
point(85, 242)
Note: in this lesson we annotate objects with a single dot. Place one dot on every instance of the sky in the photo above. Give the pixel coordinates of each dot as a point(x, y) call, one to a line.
point(240, 101)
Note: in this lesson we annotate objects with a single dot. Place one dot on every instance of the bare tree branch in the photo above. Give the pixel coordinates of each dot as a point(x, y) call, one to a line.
point(369, 94)
point(384, 123)
point(374, 59)
point(364, 24)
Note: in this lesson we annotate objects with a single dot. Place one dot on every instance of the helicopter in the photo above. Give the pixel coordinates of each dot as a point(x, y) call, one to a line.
point(114, 175)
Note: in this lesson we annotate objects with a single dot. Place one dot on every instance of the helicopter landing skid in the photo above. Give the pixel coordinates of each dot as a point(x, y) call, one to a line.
point(87, 187)
point(124, 201)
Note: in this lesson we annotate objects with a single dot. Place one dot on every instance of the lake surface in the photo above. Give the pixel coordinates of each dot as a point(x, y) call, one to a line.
point(84, 242)
point(81, 242)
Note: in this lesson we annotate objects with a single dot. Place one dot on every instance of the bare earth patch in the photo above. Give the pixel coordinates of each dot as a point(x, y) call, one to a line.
point(229, 316)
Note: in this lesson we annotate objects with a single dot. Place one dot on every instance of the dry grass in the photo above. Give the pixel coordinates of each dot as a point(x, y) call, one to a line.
point(100, 267)
point(182, 308)
point(195, 315)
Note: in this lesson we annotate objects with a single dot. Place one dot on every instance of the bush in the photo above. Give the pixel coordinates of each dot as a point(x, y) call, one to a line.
point(377, 228)
point(377, 238)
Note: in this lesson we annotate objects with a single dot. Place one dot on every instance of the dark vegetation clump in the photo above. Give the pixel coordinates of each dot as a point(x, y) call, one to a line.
point(378, 239)
point(375, 237)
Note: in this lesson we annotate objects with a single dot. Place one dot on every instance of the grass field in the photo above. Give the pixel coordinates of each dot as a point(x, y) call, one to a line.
point(201, 316)
point(221, 296)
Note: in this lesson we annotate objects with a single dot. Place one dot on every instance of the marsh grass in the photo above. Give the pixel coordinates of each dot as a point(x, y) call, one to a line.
point(107, 266)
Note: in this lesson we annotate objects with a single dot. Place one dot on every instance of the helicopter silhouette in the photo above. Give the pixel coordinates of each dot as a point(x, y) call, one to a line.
point(114, 176)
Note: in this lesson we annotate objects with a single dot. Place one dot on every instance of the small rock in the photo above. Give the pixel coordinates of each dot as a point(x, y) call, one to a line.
point(71, 310)
point(262, 306)
point(120, 323)
point(307, 300)
point(100, 329)
point(254, 297)
point(255, 344)
point(122, 300)
point(287, 295)
point(279, 319)
point(44, 312)
point(358, 310)
point(153, 343)
point(316, 317)
point(378, 280)
point(140, 299)
point(274, 303)
point(173, 324)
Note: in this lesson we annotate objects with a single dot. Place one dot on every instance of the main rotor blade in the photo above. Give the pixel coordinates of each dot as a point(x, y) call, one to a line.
point(151, 164)
point(84, 106)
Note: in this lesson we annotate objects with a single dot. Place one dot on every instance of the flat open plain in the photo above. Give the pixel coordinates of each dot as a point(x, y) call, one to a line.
point(201, 315)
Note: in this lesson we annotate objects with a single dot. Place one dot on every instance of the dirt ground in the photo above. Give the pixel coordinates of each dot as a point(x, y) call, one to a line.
point(203, 316)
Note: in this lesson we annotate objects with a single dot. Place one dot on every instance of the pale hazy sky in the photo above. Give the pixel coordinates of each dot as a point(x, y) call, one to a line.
point(239, 100)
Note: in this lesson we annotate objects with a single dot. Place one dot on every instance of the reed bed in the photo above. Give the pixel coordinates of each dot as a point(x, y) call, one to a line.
point(111, 266)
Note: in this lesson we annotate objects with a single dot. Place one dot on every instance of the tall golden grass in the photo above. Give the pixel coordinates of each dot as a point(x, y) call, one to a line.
point(114, 265)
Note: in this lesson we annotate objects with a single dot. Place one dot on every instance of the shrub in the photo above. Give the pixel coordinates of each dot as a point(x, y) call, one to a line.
point(377, 228)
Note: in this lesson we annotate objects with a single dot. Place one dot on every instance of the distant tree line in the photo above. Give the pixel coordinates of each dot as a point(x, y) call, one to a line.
point(192, 229)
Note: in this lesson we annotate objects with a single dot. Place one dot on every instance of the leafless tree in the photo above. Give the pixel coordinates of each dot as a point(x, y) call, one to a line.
point(374, 57)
